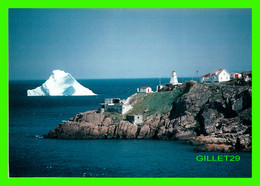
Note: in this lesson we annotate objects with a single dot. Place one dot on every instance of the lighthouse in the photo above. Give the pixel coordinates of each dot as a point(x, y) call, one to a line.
point(174, 80)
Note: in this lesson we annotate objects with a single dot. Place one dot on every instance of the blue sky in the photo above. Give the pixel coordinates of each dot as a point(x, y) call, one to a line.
point(127, 43)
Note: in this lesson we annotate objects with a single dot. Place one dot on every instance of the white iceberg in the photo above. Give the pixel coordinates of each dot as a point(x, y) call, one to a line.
point(60, 83)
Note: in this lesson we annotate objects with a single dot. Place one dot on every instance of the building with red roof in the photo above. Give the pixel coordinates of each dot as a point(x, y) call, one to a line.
point(220, 75)
point(146, 89)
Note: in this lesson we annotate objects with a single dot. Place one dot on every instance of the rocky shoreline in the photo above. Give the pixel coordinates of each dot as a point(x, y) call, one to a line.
point(214, 117)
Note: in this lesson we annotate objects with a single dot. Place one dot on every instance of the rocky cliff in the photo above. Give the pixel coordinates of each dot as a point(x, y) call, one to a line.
point(214, 117)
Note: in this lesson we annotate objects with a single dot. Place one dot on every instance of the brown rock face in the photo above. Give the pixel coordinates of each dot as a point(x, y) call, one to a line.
point(93, 125)
point(89, 117)
point(202, 140)
point(214, 147)
point(125, 129)
point(145, 132)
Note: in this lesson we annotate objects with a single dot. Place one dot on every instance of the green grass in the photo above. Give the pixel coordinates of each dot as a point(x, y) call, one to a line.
point(156, 103)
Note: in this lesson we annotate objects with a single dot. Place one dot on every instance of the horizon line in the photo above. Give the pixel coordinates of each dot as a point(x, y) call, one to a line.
point(102, 78)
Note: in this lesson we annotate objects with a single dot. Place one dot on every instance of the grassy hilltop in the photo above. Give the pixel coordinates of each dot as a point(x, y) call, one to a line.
point(154, 103)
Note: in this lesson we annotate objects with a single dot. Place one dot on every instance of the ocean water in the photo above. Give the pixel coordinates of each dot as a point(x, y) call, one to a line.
point(32, 156)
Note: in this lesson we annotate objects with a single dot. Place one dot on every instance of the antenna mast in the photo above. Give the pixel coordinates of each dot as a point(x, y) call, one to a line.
point(160, 79)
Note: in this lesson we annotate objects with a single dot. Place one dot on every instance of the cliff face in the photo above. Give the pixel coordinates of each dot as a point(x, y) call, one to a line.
point(93, 125)
point(215, 117)
point(217, 114)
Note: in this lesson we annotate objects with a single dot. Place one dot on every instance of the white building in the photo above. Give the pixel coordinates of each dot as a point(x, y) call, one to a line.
point(220, 75)
point(146, 89)
point(174, 80)
point(235, 75)
point(135, 119)
point(115, 105)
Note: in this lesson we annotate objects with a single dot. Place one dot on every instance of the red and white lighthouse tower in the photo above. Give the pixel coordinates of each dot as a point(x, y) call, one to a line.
point(174, 80)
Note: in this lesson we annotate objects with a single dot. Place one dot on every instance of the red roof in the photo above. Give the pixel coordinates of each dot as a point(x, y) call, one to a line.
point(145, 87)
point(207, 75)
point(173, 71)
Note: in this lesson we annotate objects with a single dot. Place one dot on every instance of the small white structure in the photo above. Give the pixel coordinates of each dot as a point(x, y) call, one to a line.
point(235, 75)
point(135, 119)
point(174, 80)
point(220, 75)
point(146, 89)
point(248, 78)
point(158, 88)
